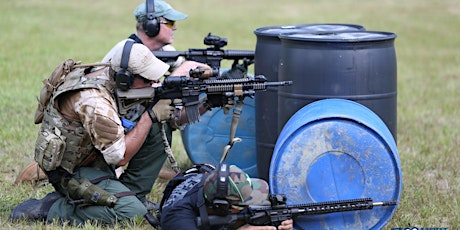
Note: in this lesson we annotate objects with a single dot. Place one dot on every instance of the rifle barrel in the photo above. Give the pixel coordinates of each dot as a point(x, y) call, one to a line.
point(168, 55)
point(226, 54)
point(278, 83)
point(385, 203)
point(239, 54)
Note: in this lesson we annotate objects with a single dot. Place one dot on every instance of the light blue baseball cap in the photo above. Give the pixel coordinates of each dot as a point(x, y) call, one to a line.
point(162, 9)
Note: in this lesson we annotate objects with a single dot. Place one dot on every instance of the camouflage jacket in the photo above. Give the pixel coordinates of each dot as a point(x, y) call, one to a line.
point(83, 115)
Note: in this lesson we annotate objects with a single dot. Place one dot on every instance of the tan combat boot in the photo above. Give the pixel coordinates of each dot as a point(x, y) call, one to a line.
point(31, 173)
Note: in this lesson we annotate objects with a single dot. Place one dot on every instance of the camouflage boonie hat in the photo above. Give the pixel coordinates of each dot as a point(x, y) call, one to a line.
point(241, 190)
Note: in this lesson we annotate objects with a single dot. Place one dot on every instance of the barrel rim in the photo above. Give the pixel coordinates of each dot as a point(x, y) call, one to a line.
point(289, 37)
point(262, 30)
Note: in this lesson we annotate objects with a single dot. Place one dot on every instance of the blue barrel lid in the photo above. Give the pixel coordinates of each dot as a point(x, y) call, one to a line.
point(204, 141)
point(346, 36)
point(335, 149)
point(275, 31)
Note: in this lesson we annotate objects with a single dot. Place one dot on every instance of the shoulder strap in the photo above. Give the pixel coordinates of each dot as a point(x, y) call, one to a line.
point(135, 38)
point(49, 84)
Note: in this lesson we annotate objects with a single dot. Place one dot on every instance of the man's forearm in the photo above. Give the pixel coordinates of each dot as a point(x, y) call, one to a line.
point(136, 137)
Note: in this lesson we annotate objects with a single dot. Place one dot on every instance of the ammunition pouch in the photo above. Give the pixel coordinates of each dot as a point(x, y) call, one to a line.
point(49, 148)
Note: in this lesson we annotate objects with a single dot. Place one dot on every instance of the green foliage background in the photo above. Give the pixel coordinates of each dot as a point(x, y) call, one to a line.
point(37, 34)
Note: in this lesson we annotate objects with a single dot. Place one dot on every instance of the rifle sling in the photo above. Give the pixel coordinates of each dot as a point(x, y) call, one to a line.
point(203, 212)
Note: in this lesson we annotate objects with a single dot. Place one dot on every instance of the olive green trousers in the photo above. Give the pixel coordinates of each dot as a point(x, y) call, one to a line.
point(139, 177)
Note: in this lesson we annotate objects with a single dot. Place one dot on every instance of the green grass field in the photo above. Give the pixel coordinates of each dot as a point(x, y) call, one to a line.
point(37, 34)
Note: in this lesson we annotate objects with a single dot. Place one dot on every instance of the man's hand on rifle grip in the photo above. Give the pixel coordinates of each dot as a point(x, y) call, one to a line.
point(161, 110)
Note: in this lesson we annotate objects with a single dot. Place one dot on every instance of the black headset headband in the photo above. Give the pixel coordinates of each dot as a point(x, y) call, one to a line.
point(222, 181)
point(123, 77)
point(220, 204)
point(150, 9)
point(126, 53)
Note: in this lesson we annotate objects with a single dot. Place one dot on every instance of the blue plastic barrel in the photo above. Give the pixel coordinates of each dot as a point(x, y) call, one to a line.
point(204, 141)
point(335, 149)
point(267, 58)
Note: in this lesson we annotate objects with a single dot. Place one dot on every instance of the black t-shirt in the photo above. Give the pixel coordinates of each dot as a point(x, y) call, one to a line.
point(181, 210)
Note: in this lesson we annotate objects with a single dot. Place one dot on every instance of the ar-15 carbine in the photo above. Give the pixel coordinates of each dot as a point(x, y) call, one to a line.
point(189, 90)
point(278, 212)
point(212, 55)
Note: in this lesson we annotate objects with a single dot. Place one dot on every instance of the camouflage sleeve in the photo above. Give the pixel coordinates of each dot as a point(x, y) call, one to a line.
point(97, 111)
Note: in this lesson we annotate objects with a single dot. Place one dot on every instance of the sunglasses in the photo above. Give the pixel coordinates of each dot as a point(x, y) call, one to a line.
point(168, 23)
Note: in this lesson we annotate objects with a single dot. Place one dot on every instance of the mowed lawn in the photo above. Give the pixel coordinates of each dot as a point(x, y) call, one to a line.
point(37, 34)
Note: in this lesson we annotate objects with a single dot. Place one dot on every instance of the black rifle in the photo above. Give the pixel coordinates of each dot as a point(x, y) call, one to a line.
point(212, 55)
point(278, 212)
point(189, 90)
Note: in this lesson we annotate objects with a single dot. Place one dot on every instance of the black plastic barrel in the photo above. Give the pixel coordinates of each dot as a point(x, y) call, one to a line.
point(358, 66)
point(266, 63)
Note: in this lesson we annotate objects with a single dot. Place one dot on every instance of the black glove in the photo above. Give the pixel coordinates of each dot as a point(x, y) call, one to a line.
point(237, 71)
point(218, 100)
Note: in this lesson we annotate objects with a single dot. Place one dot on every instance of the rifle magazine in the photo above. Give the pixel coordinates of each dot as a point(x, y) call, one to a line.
point(192, 113)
